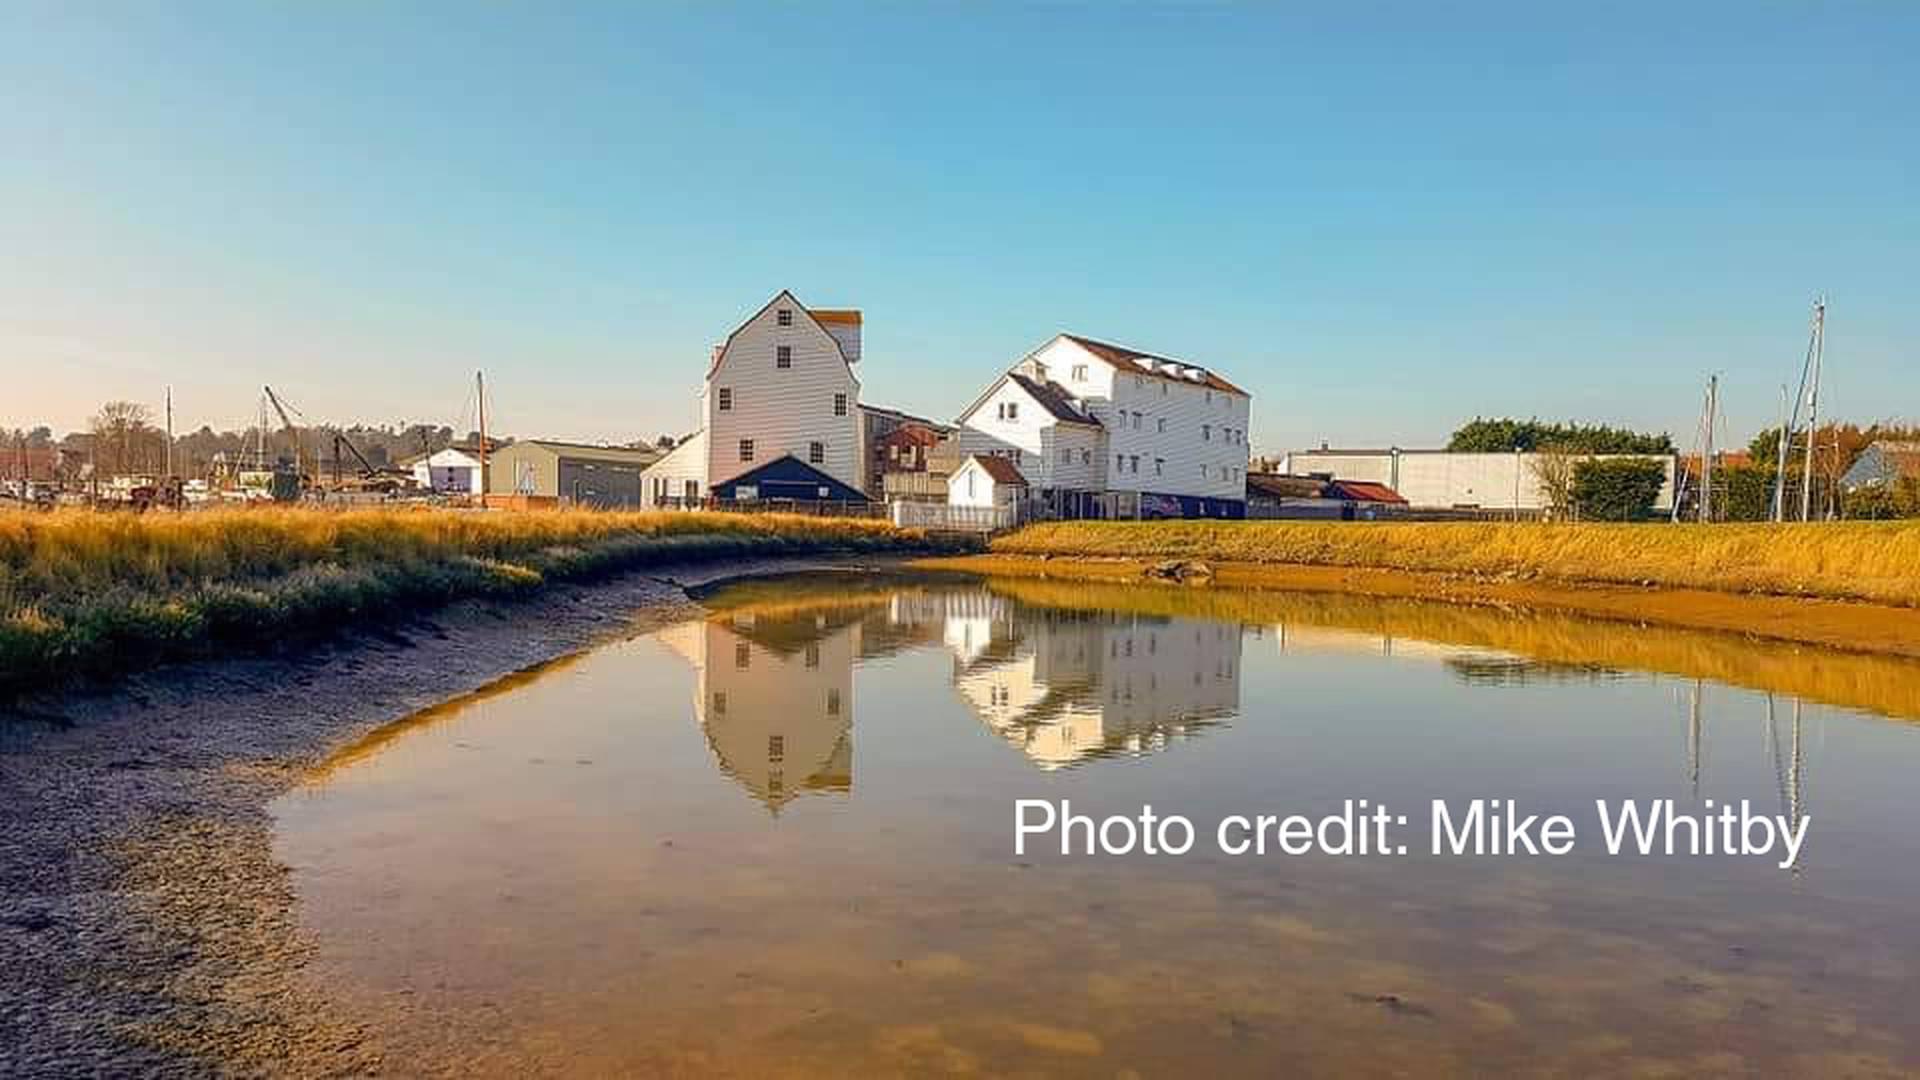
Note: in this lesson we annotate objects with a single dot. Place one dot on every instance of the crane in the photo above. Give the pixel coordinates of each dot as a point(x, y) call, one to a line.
point(292, 433)
point(366, 467)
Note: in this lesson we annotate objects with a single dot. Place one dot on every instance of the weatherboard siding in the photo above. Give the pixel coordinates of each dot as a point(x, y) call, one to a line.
point(782, 410)
point(1197, 420)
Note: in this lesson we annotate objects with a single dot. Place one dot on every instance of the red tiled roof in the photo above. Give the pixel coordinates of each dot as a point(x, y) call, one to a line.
point(1122, 357)
point(1002, 470)
point(1364, 491)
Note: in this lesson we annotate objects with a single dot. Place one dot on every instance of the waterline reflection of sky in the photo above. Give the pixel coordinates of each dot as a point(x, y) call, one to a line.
point(797, 814)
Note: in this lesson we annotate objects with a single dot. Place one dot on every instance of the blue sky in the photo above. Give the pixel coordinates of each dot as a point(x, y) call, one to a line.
point(1381, 219)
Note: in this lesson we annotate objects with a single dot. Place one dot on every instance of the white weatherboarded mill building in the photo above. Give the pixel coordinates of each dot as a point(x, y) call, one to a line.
point(779, 414)
point(1101, 428)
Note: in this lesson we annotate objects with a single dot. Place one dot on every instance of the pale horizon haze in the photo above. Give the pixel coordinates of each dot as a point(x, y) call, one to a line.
point(1381, 220)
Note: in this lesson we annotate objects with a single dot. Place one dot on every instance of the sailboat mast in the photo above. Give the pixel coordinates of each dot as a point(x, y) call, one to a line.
point(1706, 456)
point(480, 388)
point(1813, 408)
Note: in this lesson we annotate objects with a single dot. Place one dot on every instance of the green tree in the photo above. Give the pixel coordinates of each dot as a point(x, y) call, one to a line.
point(1743, 492)
point(1617, 489)
point(1493, 436)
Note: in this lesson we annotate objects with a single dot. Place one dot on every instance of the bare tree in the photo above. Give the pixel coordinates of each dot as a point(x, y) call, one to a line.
point(123, 437)
point(1552, 468)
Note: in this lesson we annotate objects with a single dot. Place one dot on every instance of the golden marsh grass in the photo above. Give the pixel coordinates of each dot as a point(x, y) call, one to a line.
point(1875, 561)
point(88, 592)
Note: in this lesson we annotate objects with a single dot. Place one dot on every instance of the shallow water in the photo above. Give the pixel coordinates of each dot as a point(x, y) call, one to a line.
point(779, 841)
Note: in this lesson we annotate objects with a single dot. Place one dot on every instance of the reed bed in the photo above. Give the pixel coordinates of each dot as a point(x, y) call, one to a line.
point(85, 593)
point(1875, 561)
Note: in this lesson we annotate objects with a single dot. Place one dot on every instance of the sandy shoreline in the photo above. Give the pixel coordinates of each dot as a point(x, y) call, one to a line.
point(145, 926)
point(1837, 624)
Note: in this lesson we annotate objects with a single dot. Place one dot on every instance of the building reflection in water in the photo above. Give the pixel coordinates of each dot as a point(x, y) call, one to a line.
point(1066, 686)
point(774, 694)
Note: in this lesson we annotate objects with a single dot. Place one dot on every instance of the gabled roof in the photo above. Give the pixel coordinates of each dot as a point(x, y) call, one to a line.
point(1050, 396)
point(1128, 359)
point(819, 318)
point(1002, 470)
point(1055, 399)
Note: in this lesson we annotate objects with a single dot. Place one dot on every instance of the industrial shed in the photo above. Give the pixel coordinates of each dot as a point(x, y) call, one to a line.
point(570, 473)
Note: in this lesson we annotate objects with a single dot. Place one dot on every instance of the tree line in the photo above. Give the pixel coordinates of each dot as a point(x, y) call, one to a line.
point(124, 438)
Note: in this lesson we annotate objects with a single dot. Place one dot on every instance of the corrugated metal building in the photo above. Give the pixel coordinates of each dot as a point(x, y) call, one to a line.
point(577, 473)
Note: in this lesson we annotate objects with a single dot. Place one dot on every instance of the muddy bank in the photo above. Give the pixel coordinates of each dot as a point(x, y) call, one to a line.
point(144, 924)
point(1859, 627)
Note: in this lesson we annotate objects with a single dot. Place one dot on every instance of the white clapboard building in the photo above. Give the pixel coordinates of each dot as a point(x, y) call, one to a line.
point(779, 414)
point(1101, 429)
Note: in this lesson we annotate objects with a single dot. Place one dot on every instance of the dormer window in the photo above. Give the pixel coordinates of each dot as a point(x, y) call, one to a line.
point(783, 356)
point(725, 402)
point(784, 316)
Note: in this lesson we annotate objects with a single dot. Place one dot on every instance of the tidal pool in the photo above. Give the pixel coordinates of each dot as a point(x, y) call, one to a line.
point(779, 841)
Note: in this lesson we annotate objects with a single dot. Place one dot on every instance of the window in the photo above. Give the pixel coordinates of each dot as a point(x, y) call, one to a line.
point(1009, 410)
point(1206, 432)
point(693, 489)
point(839, 404)
point(1136, 421)
point(833, 702)
point(776, 748)
point(816, 453)
point(813, 654)
point(1086, 457)
point(1079, 373)
point(746, 449)
point(783, 356)
point(1066, 456)
point(720, 703)
point(784, 317)
point(726, 399)
point(1163, 425)
point(1119, 463)
point(1159, 466)
point(1203, 472)
point(742, 655)
point(1133, 464)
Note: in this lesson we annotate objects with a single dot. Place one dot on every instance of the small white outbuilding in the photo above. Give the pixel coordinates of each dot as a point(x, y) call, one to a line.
point(449, 471)
point(986, 481)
